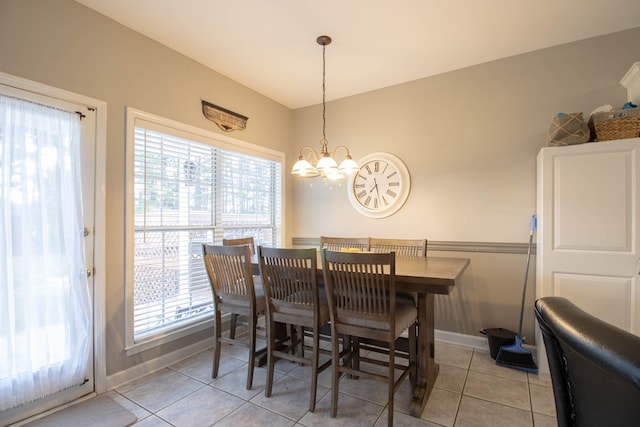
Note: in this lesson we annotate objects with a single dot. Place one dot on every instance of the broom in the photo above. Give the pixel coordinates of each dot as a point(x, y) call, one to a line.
point(515, 356)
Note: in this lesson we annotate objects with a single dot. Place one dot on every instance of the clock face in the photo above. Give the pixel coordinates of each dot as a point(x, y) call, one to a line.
point(381, 186)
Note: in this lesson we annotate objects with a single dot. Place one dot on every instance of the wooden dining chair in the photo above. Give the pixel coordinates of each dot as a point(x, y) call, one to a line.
point(231, 278)
point(293, 297)
point(402, 247)
point(233, 322)
point(339, 243)
point(361, 290)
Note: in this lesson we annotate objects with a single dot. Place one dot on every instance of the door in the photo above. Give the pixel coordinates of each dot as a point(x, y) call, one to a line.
point(588, 210)
point(47, 284)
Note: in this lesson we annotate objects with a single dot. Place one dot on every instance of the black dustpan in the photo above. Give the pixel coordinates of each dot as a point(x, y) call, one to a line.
point(498, 337)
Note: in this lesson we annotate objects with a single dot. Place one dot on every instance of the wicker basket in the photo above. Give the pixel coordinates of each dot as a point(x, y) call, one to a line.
point(616, 124)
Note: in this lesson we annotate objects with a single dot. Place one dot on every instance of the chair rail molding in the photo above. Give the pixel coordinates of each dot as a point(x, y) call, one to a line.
point(449, 246)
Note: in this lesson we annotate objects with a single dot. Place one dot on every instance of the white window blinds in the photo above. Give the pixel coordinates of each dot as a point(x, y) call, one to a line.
point(186, 191)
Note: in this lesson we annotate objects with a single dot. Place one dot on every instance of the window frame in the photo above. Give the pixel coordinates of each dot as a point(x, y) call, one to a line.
point(137, 118)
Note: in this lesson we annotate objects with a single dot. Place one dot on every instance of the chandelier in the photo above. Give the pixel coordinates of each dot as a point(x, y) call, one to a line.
point(309, 163)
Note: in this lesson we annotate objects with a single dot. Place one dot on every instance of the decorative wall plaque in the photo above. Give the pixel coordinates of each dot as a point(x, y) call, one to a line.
point(226, 120)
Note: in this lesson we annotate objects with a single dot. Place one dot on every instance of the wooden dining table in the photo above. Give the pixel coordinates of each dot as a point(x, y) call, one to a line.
point(427, 277)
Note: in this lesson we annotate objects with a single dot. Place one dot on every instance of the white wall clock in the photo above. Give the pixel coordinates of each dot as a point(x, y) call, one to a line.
point(381, 186)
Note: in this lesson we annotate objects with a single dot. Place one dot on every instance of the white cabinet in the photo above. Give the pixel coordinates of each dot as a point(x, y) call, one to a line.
point(588, 208)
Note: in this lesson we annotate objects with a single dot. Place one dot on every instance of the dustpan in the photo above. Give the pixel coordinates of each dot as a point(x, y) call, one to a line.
point(498, 337)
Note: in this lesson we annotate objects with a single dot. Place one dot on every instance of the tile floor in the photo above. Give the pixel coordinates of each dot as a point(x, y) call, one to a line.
point(471, 390)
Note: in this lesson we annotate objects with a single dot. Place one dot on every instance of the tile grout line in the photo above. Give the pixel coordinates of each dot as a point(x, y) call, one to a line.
point(287, 374)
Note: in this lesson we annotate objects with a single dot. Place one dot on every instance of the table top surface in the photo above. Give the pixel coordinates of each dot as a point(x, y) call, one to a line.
point(429, 274)
point(424, 274)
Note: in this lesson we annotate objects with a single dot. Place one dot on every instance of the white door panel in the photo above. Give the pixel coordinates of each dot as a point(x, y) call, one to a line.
point(593, 196)
point(608, 298)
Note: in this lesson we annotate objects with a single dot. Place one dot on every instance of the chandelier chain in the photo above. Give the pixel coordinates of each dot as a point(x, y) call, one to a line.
point(324, 108)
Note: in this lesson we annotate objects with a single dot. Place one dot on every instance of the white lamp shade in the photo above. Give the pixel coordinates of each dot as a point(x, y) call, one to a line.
point(327, 164)
point(348, 166)
point(303, 168)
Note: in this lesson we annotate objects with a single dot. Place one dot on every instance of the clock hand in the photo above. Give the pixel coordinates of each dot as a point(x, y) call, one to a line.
point(375, 187)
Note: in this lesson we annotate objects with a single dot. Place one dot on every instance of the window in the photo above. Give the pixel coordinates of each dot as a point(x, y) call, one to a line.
point(189, 187)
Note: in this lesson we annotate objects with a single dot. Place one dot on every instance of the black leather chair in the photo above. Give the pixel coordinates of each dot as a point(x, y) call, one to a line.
point(594, 366)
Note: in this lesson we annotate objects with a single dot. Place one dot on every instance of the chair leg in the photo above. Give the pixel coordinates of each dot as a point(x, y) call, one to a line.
point(391, 379)
point(315, 360)
point(296, 334)
point(335, 365)
point(216, 345)
point(300, 337)
point(271, 343)
point(253, 319)
point(355, 358)
point(232, 326)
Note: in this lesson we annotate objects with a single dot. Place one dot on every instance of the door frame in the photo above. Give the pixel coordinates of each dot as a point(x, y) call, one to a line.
point(98, 303)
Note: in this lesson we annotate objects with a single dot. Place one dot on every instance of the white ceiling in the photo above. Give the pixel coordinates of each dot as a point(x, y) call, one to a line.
point(270, 45)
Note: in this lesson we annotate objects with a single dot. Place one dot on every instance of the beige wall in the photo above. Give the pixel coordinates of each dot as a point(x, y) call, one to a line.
point(469, 138)
point(64, 44)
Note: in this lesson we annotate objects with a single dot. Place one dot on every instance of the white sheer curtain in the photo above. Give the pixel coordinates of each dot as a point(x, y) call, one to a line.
point(45, 312)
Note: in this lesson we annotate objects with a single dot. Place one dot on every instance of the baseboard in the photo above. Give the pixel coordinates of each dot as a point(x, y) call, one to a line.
point(472, 341)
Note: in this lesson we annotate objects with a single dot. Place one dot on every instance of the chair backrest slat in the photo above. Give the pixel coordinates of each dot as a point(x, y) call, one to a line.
point(358, 283)
point(338, 243)
point(289, 275)
point(229, 270)
point(402, 247)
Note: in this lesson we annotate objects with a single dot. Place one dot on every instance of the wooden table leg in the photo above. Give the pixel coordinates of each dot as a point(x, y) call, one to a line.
point(282, 331)
point(427, 367)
